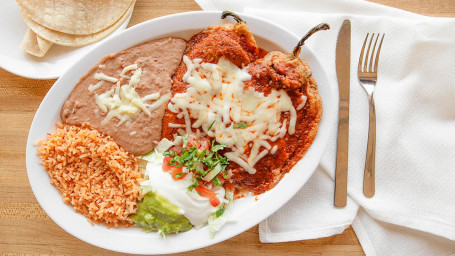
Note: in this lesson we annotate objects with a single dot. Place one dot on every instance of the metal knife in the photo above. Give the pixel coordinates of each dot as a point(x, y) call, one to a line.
point(343, 64)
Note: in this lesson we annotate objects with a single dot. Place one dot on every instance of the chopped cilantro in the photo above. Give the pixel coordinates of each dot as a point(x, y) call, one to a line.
point(210, 127)
point(200, 163)
point(185, 140)
point(240, 125)
point(216, 182)
point(219, 212)
point(225, 174)
point(195, 184)
point(218, 147)
point(179, 175)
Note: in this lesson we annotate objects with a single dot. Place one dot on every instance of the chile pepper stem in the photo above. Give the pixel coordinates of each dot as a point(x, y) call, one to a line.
point(235, 16)
point(322, 26)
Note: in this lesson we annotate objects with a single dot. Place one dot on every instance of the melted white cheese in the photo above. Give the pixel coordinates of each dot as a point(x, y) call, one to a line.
point(302, 104)
point(216, 94)
point(102, 76)
point(123, 102)
point(94, 87)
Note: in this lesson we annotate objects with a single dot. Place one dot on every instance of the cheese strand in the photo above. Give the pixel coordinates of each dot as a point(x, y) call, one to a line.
point(239, 117)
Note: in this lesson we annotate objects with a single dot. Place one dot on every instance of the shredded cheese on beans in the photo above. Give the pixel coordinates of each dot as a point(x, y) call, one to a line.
point(123, 102)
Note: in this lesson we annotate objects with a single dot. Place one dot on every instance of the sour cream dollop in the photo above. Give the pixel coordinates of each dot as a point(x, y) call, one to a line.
point(193, 206)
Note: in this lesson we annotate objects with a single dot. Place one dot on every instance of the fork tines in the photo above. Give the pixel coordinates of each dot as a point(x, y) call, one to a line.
point(367, 59)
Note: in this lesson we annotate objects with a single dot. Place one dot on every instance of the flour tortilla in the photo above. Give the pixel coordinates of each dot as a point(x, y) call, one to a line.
point(66, 39)
point(77, 17)
point(34, 44)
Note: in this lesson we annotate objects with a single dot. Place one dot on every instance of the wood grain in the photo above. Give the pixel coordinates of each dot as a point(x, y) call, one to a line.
point(25, 228)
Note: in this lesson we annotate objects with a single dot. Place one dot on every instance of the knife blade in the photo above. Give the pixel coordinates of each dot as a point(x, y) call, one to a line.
point(343, 64)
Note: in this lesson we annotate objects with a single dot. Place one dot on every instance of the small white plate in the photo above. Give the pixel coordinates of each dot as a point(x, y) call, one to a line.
point(247, 212)
point(56, 61)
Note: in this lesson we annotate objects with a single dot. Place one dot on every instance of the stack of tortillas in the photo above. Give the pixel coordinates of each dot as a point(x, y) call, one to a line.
point(70, 22)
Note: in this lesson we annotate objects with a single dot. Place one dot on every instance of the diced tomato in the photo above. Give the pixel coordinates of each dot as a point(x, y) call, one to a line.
point(166, 166)
point(214, 201)
point(205, 192)
point(200, 143)
point(177, 149)
point(220, 178)
point(205, 144)
point(229, 186)
point(191, 141)
point(178, 171)
point(172, 168)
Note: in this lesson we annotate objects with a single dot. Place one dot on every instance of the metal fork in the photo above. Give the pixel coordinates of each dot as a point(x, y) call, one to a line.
point(368, 75)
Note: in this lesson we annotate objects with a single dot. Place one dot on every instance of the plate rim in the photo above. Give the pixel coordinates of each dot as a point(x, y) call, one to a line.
point(322, 137)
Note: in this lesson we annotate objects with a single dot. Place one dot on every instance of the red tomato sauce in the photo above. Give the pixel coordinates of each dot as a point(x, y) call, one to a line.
point(274, 71)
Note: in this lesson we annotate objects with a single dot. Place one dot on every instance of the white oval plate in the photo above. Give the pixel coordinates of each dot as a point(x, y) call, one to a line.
point(246, 212)
point(56, 61)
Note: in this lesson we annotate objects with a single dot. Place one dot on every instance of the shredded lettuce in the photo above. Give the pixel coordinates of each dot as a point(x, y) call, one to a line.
point(215, 224)
point(220, 216)
point(215, 163)
point(164, 145)
point(213, 173)
point(152, 156)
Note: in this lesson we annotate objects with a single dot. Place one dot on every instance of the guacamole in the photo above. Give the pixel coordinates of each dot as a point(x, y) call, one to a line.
point(156, 213)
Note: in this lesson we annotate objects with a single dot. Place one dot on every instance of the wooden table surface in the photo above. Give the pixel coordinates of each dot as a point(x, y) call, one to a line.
point(25, 227)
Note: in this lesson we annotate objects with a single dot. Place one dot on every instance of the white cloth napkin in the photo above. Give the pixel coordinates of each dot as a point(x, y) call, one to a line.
point(413, 211)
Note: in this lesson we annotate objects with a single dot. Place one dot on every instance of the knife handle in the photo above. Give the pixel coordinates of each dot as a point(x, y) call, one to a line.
point(369, 173)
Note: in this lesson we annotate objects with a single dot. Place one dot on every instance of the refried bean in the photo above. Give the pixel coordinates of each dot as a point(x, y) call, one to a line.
point(158, 59)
